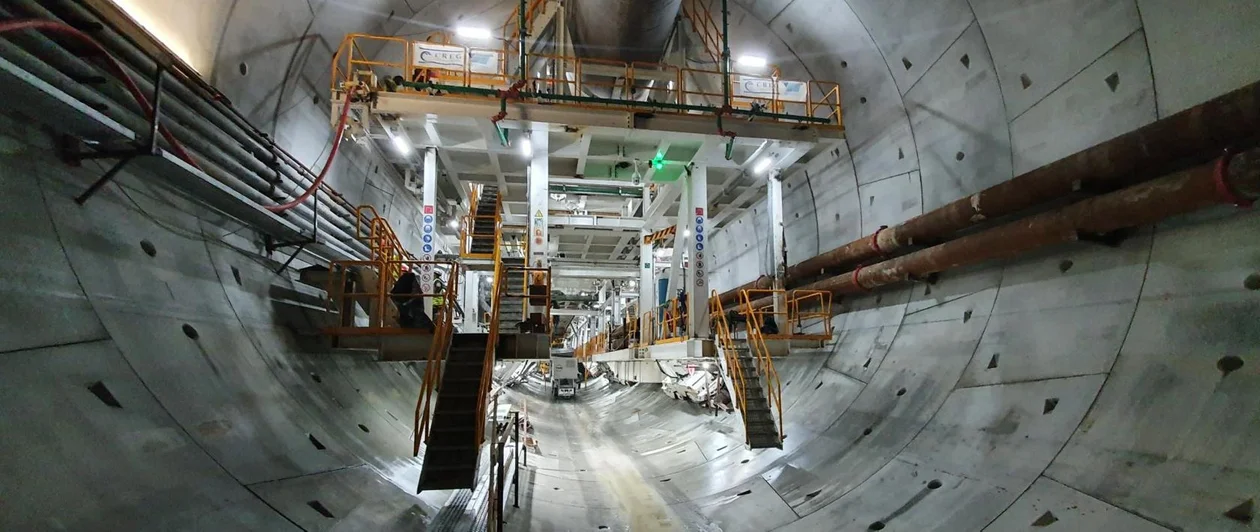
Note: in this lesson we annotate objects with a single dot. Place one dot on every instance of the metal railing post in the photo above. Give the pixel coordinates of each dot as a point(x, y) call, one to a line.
point(520, 448)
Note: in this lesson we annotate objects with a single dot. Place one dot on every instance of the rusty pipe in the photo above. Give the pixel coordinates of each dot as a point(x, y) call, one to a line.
point(1198, 132)
point(1233, 180)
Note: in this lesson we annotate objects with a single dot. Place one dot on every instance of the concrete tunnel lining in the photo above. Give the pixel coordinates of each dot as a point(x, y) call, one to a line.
point(224, 431)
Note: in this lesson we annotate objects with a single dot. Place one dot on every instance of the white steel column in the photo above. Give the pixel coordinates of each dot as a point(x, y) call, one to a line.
point(469, 300)
point(774, 202)
point(536, 255)
point(428, 230)
point(697, 216)
point(647, 281)
point(538, 196)
point(681, 226)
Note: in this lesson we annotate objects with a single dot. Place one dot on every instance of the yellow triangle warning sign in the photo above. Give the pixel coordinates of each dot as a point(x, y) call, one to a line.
point(538, 214)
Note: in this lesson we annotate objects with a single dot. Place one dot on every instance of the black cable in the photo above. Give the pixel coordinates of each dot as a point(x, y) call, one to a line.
point(817, 228)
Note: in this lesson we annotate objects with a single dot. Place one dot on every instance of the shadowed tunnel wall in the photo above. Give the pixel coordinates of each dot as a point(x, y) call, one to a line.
point(156, 376)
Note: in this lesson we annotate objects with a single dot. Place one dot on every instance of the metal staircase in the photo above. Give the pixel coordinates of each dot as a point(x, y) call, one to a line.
point(450, 457)
point(482, 230)
point(760, 427)
point(754, 383)
point(512, 311)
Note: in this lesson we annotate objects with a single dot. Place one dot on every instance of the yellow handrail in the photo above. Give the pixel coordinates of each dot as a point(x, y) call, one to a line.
point(568, 74)
point(757, 343)
point(717, 316)
point(798, 319)
point(443, 333)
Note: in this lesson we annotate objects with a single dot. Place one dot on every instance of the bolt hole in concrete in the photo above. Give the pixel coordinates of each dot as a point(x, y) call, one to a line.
point(319, 507)
point(1046, 519)
point(1025, 81)
point(1065, 265)
point(665, 480)
point(812, 494)
point(967, 316)
point(744, 461)
point(1243, 513)
point(236, 274)
point(1252, 282)
point(866, 432)
point(862, 99)
point(743, 493)
point(877, 525)
point(102, 392)
point(556, 489)
point(1229, 364)
point(363, 428)
point(966, 61)
point(149, 248)
point(906, 63)
point(243, 68)
point(1113, 81)
point(315, 441)
point(993, 361)
point(1050, 405)
point(935, 484)
point(191, 332)
point(844, 64)
point(315, 377)
point(960, 156)
point(603, 527)
point(901, 392)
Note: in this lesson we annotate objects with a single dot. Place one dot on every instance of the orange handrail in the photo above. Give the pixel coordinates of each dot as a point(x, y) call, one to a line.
point(431, 384)
point(799, 319)
point(725, 341)
point(756, 341)
point(565, 74)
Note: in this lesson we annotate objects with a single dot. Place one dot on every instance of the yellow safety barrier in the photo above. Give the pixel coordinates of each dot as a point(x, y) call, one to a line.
point(620, 84)
point(672, 324)
point(799, 318)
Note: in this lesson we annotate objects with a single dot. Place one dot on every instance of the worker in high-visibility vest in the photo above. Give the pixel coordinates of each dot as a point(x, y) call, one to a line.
point(439, 288)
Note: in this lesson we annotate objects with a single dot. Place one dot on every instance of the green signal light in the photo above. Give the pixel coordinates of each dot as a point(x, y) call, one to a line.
point(658, 162)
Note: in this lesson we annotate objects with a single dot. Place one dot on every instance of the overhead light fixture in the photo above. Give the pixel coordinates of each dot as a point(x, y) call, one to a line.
point(402, 144)
point(453, 224)
point(762, 165)
point(527, 148)
point(686, 233)
point(473, 33)
point(752, 61)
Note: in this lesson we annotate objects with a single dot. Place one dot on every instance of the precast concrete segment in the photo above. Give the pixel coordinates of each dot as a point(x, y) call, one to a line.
point(1166, 321)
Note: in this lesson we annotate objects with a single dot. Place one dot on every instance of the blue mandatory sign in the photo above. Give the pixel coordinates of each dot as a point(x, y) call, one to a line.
point(699, 220)
point(427, 238)
point(428, 228)
point(428, 218)
point(699, 246)
point(699, 237)
point(699, 228)
point(428, 248)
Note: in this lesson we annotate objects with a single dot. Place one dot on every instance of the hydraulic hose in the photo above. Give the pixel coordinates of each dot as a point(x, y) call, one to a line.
point(113, 66)
point(332, 154)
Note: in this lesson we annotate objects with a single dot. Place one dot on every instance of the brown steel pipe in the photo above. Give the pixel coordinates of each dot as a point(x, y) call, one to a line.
point(1233, 180)
point(1199, 132)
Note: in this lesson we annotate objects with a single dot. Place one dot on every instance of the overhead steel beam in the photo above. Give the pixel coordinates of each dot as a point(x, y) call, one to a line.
point(591, 271)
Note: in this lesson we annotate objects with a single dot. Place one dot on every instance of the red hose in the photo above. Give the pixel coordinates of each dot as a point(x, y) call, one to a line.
point(115, 68)
point(332, 154)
